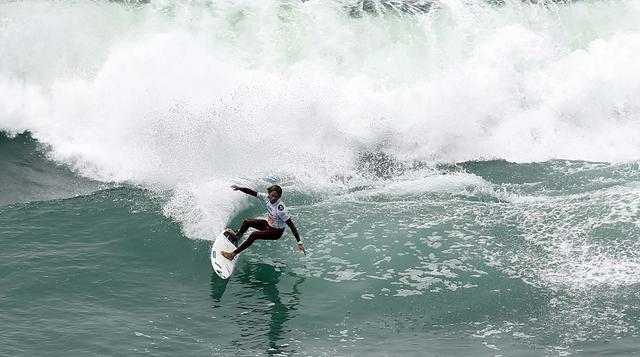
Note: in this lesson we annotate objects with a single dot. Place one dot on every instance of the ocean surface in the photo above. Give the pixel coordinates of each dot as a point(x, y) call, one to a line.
point(465, 176)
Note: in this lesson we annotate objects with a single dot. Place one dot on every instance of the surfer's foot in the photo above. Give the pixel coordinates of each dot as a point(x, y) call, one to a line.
point(233, 234)
point(228, 255)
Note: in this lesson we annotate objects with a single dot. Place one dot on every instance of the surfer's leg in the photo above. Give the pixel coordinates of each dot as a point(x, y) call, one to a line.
point(256, 223)
point(266, 234)
point(263, 232)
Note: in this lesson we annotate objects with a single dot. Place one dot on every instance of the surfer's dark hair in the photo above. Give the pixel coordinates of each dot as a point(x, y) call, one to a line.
point(276, 188)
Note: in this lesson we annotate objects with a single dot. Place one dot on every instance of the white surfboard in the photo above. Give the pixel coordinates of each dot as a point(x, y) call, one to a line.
point(221, 265)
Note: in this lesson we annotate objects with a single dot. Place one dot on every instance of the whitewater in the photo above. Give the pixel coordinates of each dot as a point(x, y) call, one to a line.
point(475, 154)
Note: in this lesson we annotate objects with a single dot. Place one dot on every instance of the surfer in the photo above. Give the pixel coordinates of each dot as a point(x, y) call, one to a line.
point(270, 228)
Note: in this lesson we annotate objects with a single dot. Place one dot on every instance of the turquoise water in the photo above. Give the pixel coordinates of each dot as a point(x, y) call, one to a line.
point(464, 175)
point(435, 273)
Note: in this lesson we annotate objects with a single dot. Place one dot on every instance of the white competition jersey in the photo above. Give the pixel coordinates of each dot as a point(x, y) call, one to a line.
point(278, 213)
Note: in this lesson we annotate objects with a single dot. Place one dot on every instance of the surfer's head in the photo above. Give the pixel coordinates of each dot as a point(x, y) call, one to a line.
point(275, 192)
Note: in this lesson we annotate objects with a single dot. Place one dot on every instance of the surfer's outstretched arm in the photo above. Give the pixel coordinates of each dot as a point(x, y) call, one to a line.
point(246, 190)
point(294, 230)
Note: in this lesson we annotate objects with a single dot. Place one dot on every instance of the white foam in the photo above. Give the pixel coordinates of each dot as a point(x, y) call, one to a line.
point(204, 208)
point(577, 242)
point(176, 95)
point(420, 182)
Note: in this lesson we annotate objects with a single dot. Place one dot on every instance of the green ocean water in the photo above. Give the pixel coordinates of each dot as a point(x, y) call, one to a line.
point(465, 273)
point(464, 175)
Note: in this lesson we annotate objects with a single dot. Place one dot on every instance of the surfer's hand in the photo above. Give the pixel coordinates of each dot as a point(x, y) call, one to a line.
point(301, 247)
point(235, 187)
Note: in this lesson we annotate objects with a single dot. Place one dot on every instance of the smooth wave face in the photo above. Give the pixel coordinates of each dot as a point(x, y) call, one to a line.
point(28, 175)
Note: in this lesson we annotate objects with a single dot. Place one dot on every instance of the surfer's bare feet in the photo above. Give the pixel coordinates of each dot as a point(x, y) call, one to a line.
point(232, 234)
point(228, 255)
